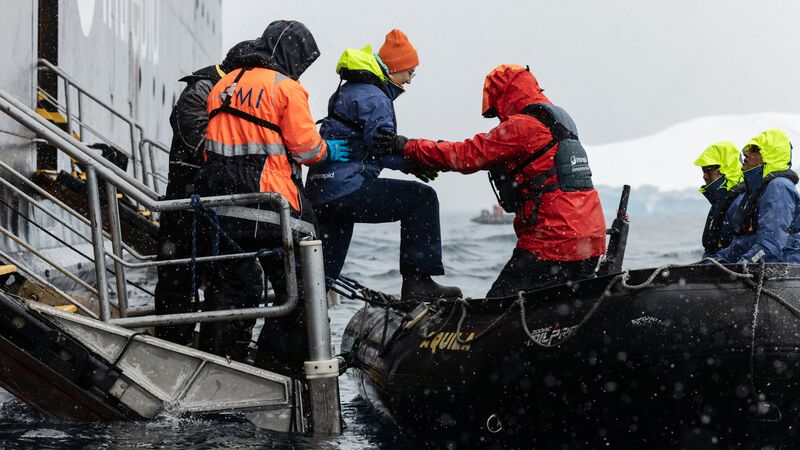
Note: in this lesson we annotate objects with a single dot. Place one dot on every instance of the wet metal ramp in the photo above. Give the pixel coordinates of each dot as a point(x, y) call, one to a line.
point(159, 375)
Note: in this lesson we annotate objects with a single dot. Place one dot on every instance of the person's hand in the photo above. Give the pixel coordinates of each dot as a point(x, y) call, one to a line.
point(338, 150)
point(389, 141)
point(424, 174)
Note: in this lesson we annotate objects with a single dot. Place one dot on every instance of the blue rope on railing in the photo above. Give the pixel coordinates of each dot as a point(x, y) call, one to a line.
point(213, 219)
point(198, 206)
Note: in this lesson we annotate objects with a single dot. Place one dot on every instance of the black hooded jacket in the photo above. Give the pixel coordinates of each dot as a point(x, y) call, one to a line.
point(286, 46)
point(189, 119)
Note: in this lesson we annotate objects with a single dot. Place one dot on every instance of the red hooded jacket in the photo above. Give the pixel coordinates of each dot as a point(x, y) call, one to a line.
point(570, 225)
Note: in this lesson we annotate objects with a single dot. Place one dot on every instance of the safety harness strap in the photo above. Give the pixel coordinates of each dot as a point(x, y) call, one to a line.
point(748, 210)
point(227, 108)
point(537, 183)
point(712, 236)
point(507, 184)
point(537, 197)
point(558, 131)
point(534, 156)
point(504, 184)
point(352, 124)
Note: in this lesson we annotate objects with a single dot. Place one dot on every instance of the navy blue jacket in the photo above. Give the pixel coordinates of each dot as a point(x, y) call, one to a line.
point(718, 232)
point(776, 222)
point(369, 105)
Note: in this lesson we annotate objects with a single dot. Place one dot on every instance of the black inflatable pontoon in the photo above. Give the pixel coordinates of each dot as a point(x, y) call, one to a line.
point(700, 356)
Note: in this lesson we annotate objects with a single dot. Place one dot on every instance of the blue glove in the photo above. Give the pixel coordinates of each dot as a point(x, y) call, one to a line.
point(338, 150)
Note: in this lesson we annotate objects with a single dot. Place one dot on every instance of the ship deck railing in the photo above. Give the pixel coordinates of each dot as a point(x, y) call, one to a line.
point(142, 151)
point(99, 170)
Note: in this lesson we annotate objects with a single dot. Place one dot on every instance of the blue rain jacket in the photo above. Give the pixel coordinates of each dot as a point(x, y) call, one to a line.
point(367, 102)
point(777, 222)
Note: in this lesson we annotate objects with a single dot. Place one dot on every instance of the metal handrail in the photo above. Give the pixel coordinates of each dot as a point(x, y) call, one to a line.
point(44, 258)
point(109, 172)
point(17, 192)
point(22, 268)
point(149, 259)
point(62, 206)
point(139, 164)
point(70, 82)
point(75, 149)
point(43, 63)
point(99, 168)
point(149, 143)
point(185, 261)
point(83, 125)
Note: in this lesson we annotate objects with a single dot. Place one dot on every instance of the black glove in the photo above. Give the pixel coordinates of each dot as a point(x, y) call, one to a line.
point(425, 174)
point(390, 142)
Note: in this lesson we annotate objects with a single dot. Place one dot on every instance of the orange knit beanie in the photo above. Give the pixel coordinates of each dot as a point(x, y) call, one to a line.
point(397, 53)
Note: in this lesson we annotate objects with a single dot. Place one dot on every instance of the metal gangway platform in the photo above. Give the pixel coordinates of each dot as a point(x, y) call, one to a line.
point(153, 375)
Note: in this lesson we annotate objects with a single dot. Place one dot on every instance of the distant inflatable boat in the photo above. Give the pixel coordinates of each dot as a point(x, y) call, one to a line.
point(699, 356)
point(496, 217)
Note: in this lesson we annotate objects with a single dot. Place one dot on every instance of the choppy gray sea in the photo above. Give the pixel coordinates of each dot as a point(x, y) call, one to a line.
point(473, 256)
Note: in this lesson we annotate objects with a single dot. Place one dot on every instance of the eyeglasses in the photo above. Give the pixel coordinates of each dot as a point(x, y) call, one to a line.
point(710, 169)
point(411, 73)
point(750, 150)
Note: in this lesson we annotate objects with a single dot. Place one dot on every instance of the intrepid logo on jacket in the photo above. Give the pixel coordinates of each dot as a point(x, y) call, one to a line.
point(321, 176)
point(575, 160)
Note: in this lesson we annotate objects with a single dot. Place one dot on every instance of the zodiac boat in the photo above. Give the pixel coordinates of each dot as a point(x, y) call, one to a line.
point(676, 357)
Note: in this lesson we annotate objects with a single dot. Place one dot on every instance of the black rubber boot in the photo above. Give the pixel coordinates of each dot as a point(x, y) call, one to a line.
point(422, 287)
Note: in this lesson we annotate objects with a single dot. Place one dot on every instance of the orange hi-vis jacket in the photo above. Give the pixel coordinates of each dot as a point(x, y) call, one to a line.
point(265, 95)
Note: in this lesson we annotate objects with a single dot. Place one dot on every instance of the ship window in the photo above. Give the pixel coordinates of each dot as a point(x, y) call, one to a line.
point(140, 78)
point(154, 86)
point(163, 93)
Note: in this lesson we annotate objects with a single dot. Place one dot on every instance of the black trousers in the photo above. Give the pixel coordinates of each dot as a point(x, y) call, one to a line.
point(525, 272)
point(240, 283)
point(233, 284)
point(382, 200)
point(173, 293)
point(283, 342)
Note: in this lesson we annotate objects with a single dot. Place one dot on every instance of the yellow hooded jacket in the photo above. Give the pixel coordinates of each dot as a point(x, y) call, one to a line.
point(363, 59)
point(725, 155)
point(775, 148)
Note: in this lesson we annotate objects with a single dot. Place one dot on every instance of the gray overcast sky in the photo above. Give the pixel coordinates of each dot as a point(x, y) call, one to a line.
point(622, 68)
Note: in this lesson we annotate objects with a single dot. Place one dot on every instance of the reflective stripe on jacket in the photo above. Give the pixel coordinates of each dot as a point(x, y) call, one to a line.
point(274, 97)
